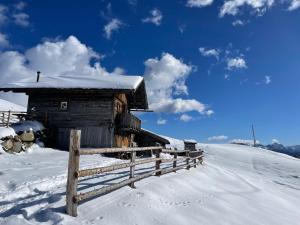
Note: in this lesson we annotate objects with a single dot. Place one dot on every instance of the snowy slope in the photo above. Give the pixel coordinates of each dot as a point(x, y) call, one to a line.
point(236, 185)
point(6, 105)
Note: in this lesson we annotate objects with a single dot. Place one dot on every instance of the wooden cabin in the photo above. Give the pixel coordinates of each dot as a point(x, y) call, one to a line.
point(190, 145)
point(100, 106)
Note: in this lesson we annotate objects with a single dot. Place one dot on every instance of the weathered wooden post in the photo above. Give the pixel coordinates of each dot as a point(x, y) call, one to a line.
point(3, 118)
point(188, 160)
point(73, 167)
point(8, 119)
point(195, 162)
point(132, 168)
point(158, 162)
point(175, 161)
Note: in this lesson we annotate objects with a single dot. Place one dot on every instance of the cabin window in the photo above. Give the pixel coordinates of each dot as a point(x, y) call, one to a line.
point(63, 106)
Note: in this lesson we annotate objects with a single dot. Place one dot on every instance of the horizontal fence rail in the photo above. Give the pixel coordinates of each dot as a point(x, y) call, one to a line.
point(9, 117)
point(188, 160)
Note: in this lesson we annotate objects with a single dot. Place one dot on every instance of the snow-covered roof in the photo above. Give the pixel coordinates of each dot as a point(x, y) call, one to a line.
point(80, 82)
point(134, 86)
point(190, 141)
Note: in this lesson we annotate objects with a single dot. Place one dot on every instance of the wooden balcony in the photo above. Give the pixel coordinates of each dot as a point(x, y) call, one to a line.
point(128, 122)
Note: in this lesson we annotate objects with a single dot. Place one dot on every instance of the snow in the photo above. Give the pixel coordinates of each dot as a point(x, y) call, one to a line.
point(27, 125)
point(236, 185)
point(6, 131)
point(174, 143)
point(6, 106)
point(190, 141)
point(91, 82)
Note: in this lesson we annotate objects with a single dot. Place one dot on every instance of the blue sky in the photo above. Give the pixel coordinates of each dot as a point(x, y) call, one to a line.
point(231, 63)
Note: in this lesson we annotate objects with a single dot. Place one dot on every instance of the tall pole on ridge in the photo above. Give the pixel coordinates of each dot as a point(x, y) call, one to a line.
point(253, 133)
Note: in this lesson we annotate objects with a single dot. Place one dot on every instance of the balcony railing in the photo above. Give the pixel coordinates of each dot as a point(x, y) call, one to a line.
point(128, 122)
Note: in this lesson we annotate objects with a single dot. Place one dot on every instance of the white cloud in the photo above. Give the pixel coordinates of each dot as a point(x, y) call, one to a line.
point(113, 26)
point(232, 7)
point(3, 40)
point(155, 17)
point(20, 5)
point(226, 76)
point(21, 19)
point(243, 141)
point(199, 3)
point(217, 138)
point(236, 63)
point(209, 52)
point(161, 121)
point(268, 80)
point(48, 57)
point(275, 141)
point(185, 118)
point(77, 58)
point(3, 12)
point(165, 78)
point(238, 23)
point(295, 4)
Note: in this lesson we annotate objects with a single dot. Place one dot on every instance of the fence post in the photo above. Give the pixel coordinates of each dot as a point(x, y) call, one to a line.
point(73, 167)
point(175, 162)
point(158, 162)
point(188, 160)
point(132, 168)
point(3, 118)
point(8, 119)
point(195, 162)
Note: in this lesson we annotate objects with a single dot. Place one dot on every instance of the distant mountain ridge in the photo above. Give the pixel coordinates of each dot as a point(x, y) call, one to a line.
point(289, 150)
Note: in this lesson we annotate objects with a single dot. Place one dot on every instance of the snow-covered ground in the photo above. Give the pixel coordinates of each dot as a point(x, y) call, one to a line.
point(236, 185)
point(6, 105)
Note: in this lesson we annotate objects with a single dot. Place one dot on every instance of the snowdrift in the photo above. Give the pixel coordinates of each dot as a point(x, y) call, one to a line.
point(236, 185)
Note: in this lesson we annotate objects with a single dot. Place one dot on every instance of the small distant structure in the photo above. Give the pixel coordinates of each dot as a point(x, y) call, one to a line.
point(190, 144)
point(100, 106)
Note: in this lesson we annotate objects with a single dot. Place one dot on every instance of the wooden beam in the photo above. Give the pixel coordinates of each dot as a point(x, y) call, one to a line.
point(72, 168)
point(105, 190)
point(95, 171)
point(91, 151)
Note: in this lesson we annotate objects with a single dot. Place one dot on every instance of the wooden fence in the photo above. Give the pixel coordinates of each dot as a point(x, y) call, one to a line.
point(9, 117)
point(191, 159)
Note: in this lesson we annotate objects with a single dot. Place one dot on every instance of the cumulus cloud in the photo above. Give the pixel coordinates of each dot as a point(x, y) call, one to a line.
point(161, 121)
point(199, 3)
point(268, 80)
point(112, 26)
point(239, 23)
point(3, 40)
point(243, 141)
point(20, 5)
point(209, 52)
point(232, 7)
point(21, 19)
point(155, 17)
point(52, 58)
point(165, 79)
point(3, 14)
point(218, 138)
point(295, 4)
point(275, 141)
point(236, 63)
point(185, 118)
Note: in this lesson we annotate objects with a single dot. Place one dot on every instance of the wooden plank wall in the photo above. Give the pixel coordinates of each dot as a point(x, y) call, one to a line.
point(83, 111)
point(121, 106)
point(91, 113)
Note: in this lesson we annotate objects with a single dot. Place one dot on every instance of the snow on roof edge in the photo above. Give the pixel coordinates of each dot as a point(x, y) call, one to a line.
point(81, 82)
